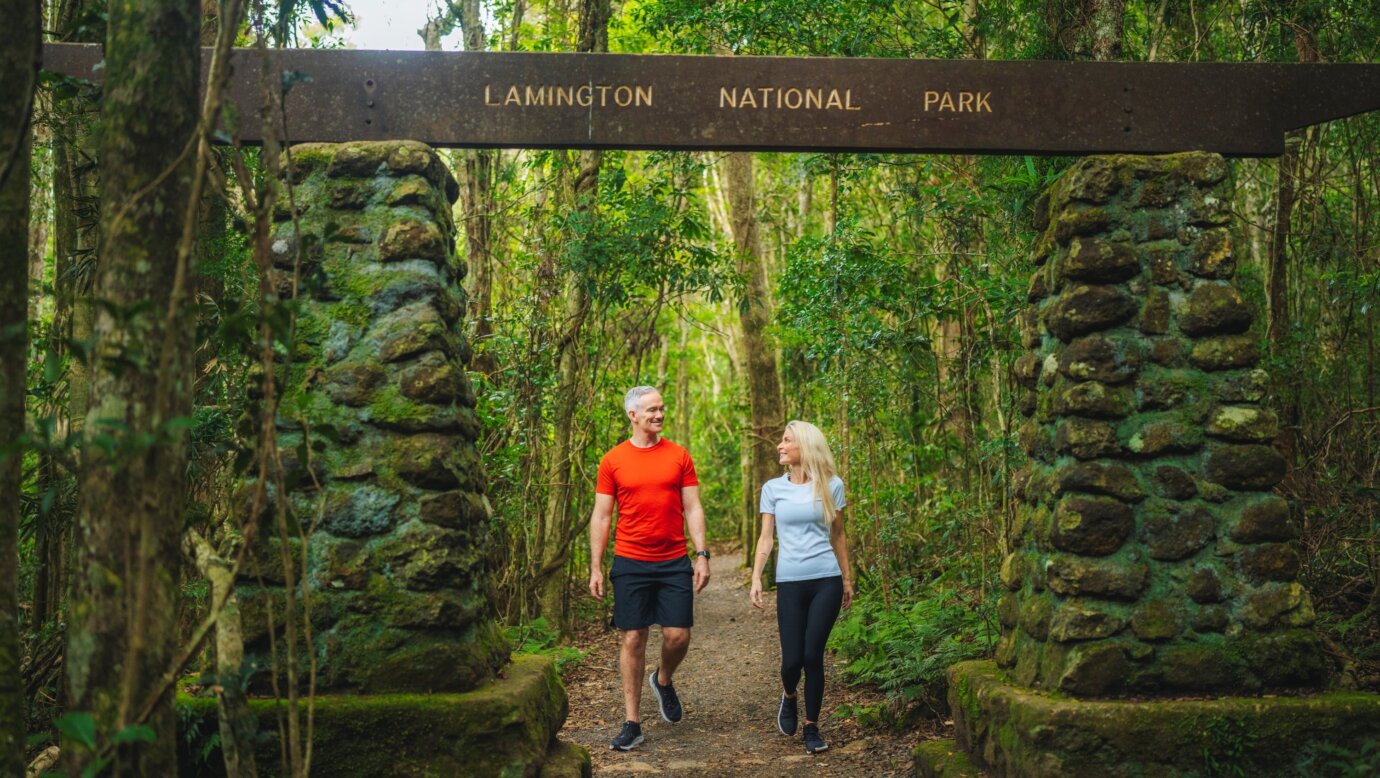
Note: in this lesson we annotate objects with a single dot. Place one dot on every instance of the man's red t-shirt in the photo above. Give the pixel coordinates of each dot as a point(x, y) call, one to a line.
point(646, 484)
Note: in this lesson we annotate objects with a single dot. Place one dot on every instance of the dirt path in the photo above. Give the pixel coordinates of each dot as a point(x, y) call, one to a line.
point(729, 686)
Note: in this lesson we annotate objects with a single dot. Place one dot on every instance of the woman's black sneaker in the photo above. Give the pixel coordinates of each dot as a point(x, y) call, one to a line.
point(666, 699)
point(813, 742)
point(628, 739)
point(786, 716)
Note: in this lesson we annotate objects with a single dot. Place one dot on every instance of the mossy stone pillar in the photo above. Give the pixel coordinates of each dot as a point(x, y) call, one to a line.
point(1149, 557)
point(1149, 554)
point(377, 429)
point(377, 432)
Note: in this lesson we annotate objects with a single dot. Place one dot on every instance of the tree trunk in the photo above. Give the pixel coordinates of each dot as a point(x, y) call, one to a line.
point(477, 205)
point(19, 47)
point(75, 216)
point(558, 533)
point(237, 723)
point(1277, 329)
point(122, 632)
point(758, 355)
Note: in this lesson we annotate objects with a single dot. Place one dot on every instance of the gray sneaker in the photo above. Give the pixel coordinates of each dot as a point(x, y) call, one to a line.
point(629, 738)
point(813, 742)
point(786, 716)
point(666, 699)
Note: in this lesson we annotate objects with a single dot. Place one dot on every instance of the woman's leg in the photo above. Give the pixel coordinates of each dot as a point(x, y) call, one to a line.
point(791, 605)
point(821, 613)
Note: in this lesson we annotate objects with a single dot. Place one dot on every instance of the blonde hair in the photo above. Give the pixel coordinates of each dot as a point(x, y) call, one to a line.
point(818, 463)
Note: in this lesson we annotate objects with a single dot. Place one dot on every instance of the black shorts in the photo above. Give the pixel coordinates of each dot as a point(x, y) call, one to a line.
point(647, 593)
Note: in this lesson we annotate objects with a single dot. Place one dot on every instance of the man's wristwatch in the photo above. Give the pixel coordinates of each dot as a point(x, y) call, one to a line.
point(704, 554)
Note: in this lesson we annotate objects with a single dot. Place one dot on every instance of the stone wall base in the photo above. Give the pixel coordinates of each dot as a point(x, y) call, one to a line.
point(943, 759)
point(1009, 730)
point(504, 728)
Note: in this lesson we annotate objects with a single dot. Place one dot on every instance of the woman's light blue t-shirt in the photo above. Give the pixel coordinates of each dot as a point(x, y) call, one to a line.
point(805, 553)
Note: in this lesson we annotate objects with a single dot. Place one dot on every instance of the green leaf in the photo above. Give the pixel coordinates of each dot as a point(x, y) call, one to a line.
point(135, 733)
point(80, 727)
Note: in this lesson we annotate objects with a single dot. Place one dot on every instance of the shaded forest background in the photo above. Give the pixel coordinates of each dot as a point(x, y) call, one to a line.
point(874, 295)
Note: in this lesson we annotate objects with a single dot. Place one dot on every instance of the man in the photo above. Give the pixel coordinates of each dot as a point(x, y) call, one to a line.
point(653, 482)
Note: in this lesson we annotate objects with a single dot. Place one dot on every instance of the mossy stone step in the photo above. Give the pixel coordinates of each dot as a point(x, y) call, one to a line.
point(1010, 730)
point(505, 729)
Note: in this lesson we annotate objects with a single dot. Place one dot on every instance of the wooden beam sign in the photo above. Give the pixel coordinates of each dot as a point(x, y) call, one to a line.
point(624, 101)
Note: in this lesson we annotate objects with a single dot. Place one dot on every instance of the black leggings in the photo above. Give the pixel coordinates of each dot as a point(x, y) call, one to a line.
point(805, 613)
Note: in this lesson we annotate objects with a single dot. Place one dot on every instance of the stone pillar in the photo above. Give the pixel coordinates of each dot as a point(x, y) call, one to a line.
point(1149, 558)
point(1149, 554)
point(394, 490)
point(377, 433)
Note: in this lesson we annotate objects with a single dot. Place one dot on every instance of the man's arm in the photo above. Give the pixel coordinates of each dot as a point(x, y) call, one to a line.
point(694, 524)
point(599, 522)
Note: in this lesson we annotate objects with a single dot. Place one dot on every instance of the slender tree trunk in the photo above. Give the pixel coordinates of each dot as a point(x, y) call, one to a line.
point(237, 723)
point(1277, 330)
point(558, 534)
point(477, 204)
point(758, 355)
point(122, 633)
point(19, 47)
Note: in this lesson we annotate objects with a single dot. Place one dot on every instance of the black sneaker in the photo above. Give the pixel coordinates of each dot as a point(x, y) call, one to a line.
point(786, 716)
point(666, 699)
point(628, 739)
point(813, 742)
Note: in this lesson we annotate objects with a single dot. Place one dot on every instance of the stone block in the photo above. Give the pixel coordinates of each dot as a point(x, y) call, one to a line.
point(1244, 467)
point(1088, 308)
point(1154, 315)
point(1269, 562)
point(1211, 254)
point(1214, 308)
point(1110, 478)
point(1096, 400)
point(1173, 483)
point(1224, 352)
point(413, 239)
point(1085, 620)
point(1099, 358)
point(1158, 437)
point(1260, 518)
point(1076, 221)
point(1099, 261)
point(1091, 526)
point(1276, 604)
point(1174, 536)
point(1248, 423)
point(1158, 619)
point(1072, 576)
point(1204, 585)
point(1086, 439)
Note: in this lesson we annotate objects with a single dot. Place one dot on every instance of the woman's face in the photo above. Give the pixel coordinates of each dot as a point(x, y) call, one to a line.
point(788, 451)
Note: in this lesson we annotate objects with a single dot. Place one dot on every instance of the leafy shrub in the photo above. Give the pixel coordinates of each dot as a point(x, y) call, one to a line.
point(539, 637)
point(905, 647)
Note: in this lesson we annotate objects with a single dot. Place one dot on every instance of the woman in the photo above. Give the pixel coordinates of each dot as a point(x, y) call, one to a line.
point(812, 574)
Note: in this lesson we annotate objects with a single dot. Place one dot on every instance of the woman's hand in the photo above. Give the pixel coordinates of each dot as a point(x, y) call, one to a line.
point(847, 593)
point(758, 601)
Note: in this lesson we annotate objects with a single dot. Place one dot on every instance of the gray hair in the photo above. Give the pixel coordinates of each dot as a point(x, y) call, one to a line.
point(634, 395)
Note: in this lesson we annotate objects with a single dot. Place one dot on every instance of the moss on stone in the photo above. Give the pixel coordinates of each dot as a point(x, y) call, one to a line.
point(1021, 732)
point(943, 759)
point(504, 728)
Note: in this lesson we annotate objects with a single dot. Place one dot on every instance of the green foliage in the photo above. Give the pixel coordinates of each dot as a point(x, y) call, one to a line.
point(1332, 761)
point(539, 637)
point(81, 732)
point(905, 646)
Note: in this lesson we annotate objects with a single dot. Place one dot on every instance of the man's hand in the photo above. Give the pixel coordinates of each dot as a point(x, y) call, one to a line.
point(596, 582)
point(701, 574)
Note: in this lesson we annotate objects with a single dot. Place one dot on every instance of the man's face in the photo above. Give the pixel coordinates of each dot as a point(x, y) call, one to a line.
point(649, 414)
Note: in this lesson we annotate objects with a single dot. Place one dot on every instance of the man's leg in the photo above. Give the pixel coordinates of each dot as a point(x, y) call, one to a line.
point(631, 662)
point(675, 642)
